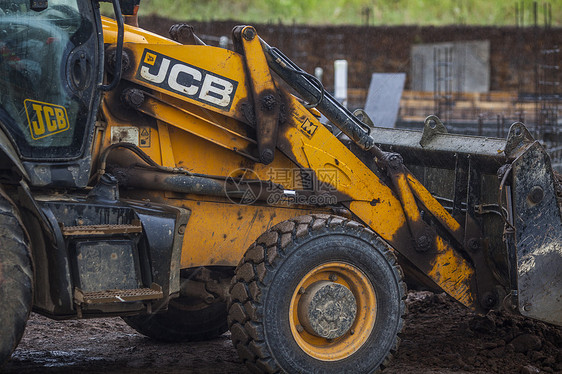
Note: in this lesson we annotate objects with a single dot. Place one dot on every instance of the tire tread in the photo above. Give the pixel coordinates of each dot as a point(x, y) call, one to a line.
point(16, 277)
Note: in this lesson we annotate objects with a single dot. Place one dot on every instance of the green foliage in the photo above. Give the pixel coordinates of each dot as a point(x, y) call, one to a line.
point(354, 12)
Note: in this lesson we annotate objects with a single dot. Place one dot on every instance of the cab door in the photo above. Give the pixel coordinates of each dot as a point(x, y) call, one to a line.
point(50, 71)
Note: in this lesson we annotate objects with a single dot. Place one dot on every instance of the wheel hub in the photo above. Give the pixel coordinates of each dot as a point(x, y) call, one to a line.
point(327, 309)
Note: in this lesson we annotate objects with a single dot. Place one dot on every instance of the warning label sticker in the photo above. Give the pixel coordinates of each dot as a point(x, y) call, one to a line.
point(144, 137)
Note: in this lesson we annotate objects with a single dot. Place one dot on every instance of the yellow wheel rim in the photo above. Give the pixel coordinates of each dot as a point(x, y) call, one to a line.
point(345, 345)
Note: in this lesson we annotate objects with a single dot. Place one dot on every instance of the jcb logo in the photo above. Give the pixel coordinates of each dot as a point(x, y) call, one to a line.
point(186, 80)
point(308, 128)
point(149, 58)
point(45, 119)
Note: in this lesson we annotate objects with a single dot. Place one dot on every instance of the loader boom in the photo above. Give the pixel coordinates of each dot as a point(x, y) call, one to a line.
point(386, 189)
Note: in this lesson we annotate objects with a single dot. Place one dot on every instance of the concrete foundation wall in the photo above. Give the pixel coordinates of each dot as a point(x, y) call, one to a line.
point(460, 66)
point(513, 51)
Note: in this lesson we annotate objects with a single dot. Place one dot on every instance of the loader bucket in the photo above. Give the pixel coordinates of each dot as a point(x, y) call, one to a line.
point(462, 171)
point(538, 236)
point(516, 247)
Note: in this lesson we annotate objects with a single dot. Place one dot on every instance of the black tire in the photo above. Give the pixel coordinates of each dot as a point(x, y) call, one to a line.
point(16, 278)
point(269, 279)
point(183, 322)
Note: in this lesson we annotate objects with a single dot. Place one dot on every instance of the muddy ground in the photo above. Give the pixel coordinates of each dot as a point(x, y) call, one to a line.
point(440, 337)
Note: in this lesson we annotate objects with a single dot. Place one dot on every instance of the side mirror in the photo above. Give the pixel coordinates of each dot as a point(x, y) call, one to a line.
point(129, 8)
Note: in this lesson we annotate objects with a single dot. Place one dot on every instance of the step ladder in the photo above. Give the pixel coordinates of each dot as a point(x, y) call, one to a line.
point(84, 299)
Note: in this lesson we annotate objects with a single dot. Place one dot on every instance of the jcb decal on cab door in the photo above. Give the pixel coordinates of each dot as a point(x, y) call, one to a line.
point(187, 80)
point(45, 119)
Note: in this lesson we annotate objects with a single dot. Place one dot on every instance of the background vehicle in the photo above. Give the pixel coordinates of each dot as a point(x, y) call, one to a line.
point(194, 193)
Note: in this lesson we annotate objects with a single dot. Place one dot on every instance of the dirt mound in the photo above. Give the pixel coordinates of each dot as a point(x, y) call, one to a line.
point(442, 336)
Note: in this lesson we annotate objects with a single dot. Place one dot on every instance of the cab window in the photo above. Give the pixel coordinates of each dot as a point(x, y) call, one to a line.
point(47, 76)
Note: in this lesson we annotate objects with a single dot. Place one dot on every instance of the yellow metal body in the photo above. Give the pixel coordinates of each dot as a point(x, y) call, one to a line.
point(211, 134)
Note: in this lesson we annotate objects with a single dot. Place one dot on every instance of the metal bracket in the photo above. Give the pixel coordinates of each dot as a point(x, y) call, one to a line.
point(518, 138)
point(266, 100)
point(364, 117)
point(431, 126)
point(423, 235)
point(184, 34)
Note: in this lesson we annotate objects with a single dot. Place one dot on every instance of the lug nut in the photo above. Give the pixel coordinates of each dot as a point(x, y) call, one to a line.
point(266, 156)
point(423, 243)
point(536, 194)
point(474, 244)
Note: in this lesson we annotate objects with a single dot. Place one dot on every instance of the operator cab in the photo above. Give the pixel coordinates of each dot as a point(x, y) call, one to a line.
point(50, 70)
